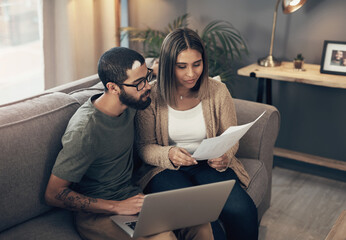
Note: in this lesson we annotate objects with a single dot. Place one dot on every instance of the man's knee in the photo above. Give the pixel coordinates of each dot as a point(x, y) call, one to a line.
point(161, 236)
point(200, 232)
point(205, 231)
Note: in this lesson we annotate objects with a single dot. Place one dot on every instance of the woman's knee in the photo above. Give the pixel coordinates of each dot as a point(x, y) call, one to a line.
point(207, 175)
point(240, 218)
point(239, 204)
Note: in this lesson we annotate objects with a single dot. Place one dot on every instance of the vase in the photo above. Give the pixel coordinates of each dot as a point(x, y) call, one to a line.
point(298, 64)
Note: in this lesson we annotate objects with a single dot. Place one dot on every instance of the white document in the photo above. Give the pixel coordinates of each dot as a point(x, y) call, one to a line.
point(217, 146)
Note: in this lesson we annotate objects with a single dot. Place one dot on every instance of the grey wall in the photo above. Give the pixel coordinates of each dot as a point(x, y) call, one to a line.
point(313, 117)
point(154, 13)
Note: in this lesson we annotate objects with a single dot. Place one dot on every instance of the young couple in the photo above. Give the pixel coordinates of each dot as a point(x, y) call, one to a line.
point(169, 118)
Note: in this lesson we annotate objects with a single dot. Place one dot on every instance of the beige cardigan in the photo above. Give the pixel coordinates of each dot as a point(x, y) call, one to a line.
point(152, 131)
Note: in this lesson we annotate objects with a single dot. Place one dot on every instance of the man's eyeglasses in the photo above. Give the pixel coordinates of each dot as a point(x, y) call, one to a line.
point(141, 81)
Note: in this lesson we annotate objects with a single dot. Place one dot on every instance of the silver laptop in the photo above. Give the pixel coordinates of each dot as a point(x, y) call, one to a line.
point(171, 210)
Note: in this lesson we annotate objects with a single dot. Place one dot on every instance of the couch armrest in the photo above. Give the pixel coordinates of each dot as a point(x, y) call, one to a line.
point(258, 142)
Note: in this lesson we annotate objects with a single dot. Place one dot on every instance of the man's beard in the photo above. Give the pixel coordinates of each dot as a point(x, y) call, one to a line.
point(130, 101)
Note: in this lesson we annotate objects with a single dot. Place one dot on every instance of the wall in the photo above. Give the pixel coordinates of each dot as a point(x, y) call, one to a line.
point(154, 13)
point(313, 117)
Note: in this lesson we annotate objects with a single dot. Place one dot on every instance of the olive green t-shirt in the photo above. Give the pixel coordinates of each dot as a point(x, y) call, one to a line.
point(97, 153)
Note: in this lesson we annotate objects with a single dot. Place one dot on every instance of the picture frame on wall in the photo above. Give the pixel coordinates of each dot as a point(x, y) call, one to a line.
point(333, 57)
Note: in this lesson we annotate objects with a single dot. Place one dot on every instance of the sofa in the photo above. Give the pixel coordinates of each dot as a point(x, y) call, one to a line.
point(30, 140)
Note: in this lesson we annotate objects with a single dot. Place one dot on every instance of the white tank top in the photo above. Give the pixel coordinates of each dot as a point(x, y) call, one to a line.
point(186, 129)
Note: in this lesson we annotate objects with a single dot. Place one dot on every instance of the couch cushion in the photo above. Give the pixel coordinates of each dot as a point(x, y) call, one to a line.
point(258, 179)
point(30, 140)
point(55, 224)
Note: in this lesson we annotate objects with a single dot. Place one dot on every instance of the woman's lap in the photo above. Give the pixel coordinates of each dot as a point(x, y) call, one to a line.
point(163, 181)
point(239, 214)
point(187, 177)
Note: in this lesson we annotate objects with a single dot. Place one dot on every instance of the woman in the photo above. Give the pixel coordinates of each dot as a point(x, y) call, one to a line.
point(186, 108)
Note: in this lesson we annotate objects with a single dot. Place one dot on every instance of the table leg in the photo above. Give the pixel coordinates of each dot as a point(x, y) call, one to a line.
point(269, 91)
point(260, 89)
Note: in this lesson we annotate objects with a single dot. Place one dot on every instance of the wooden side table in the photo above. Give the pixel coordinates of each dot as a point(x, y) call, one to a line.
point(286, 72)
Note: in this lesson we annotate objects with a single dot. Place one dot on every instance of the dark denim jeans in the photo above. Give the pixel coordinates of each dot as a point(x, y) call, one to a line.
point(239, 215)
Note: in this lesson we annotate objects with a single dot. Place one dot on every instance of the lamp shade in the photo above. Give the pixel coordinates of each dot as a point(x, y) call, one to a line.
point(290, 6)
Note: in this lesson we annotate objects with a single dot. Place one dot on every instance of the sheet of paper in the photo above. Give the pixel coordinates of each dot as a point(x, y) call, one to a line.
point(215, 147)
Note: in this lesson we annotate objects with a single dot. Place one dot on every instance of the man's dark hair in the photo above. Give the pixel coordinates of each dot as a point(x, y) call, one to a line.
point(114, 63)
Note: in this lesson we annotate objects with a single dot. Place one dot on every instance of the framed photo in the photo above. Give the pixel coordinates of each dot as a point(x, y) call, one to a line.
point(334, 58)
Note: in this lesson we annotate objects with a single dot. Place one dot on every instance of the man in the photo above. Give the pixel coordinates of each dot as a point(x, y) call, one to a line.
point(93, 172)
point(337, 56)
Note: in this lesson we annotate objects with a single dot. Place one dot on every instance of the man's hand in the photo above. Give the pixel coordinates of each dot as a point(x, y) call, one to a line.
point(59, 194)
point(130, 206)
point(220, 163)
point(181, 157)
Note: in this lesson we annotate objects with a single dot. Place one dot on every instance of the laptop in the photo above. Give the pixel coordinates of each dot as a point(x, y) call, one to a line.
point(175, 209)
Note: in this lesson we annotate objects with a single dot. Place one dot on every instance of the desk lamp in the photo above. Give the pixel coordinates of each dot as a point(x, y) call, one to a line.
point(288, 6)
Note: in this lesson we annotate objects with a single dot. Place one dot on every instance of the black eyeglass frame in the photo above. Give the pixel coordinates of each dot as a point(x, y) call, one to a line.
point(147, 78)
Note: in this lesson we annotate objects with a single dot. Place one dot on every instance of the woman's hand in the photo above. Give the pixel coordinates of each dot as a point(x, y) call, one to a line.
point(181, 157)
point(220, 163)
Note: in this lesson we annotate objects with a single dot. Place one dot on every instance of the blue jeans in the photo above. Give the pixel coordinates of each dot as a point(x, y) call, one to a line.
point(239, 215)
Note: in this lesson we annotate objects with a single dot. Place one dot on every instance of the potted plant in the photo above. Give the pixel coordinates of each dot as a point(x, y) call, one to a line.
point(223, 43)
point(298, 61)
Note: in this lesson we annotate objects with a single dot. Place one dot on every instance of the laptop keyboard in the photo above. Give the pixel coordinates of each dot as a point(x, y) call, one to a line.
point(131, 224)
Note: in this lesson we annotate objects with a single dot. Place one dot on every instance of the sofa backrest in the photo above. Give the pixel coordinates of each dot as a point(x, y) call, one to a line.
point(30, 140)
point(83, 94)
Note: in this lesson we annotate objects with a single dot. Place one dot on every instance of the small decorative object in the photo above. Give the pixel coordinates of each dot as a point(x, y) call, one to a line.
point(298, 61)
point(334, 58)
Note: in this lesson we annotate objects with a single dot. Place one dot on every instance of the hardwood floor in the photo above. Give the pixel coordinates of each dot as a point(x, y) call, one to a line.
point(303, 206)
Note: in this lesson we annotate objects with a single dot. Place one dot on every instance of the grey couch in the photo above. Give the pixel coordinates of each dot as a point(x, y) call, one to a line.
point(30, 134)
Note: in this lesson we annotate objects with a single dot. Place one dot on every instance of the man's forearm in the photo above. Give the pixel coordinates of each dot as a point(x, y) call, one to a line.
point(74, 201)
point(68, 199)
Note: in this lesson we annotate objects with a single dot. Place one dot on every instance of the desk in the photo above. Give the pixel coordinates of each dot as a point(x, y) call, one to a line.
point(309, 75)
